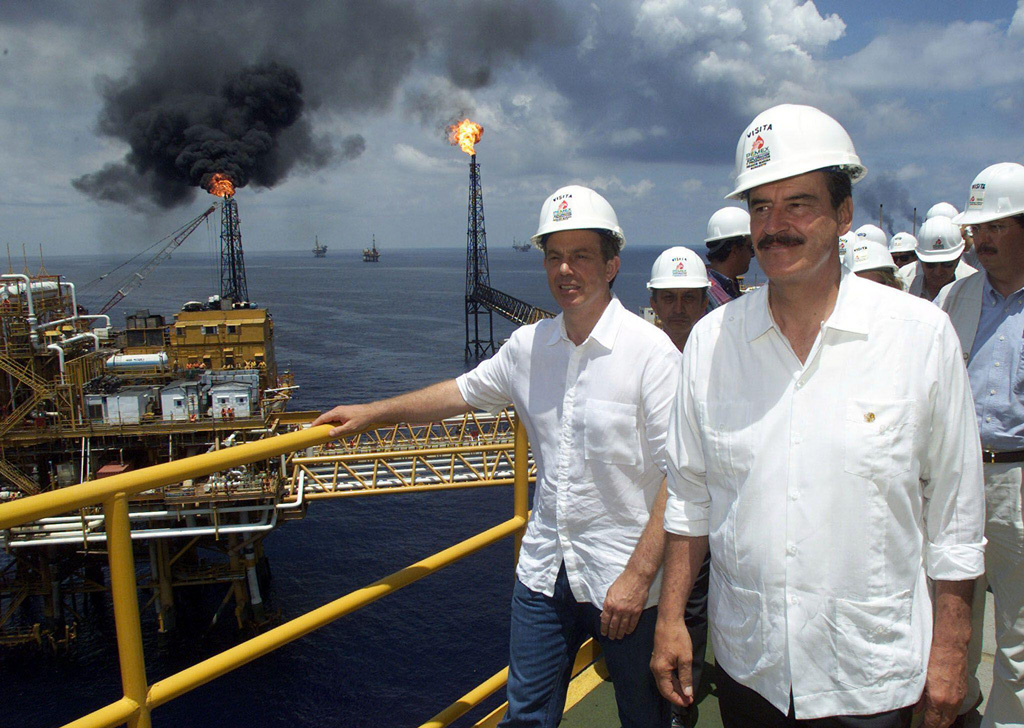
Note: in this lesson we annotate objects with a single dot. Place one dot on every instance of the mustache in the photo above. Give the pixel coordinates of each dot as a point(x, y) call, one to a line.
point(778, 239)
point(986, 249)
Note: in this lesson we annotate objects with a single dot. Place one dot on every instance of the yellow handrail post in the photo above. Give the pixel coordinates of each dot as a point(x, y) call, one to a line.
point(521, 482)
point(126, 606)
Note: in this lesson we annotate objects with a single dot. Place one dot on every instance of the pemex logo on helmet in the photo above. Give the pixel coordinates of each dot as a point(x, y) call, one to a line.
point(937, 245)
point(759, 155)
point(562, 212)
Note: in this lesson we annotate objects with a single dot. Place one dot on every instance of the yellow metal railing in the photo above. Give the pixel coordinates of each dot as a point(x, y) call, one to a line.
point(140, 698)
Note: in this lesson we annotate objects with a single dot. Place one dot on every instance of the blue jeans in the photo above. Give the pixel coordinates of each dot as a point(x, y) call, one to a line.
point(547, 633)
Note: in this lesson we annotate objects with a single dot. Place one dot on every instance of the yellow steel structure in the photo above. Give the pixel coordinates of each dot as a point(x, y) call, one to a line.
point(140, 698)
point(433, 456)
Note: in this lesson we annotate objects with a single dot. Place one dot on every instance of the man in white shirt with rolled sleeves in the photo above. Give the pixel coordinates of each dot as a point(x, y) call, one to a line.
point(593, 387)
point(823, 441)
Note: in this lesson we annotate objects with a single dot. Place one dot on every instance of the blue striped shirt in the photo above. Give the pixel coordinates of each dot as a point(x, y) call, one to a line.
point(997, 377)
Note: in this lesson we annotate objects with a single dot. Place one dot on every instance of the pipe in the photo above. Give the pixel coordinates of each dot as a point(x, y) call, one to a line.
point(159, 514)
point(84, 316)
point(143, 534)
point(60, 358)
point(33, 335)
point(60, 350)
point(290, 505)
point(74, 298)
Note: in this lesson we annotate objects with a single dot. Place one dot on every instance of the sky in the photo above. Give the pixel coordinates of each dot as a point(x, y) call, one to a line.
point(112, 113)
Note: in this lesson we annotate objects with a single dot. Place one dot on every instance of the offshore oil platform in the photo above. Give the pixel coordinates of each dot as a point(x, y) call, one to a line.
point(81, 400)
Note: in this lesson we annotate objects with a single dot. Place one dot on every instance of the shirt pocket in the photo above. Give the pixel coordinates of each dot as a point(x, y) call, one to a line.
point(878, 438)
point(874, 641)
point(737, 625)
point(731, 438)
point(610, 433)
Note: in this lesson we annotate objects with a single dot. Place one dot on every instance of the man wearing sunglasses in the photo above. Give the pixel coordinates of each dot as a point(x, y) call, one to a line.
point(939, 247)
point(901, 248)
point(987, 312)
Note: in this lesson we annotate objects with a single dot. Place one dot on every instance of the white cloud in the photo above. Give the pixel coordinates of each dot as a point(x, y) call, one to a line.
point(934, 57)
point(1017, 23)
point(613, 184)
point(909, 172)
point(763, 50)
point(417, 161)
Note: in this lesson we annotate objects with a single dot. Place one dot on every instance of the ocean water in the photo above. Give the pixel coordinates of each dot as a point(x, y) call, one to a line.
point(350, 332)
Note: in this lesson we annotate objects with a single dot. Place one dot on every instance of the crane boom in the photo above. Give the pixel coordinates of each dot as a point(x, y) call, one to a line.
point(138, 276)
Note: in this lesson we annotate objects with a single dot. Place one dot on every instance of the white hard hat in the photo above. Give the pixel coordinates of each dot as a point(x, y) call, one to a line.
point(939, 241)
point(844, 243)
point(789, 140)
point(997, 192)
point(577, 208)
point(678, 267)
point(729, 222)
point(868, 254)
point(872, 232)
point(941, 209)
point(902, 243)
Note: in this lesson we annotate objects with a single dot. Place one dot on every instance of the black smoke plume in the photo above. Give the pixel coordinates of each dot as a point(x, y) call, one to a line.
point(885, 190)
point(230, 85)
point(247, 129)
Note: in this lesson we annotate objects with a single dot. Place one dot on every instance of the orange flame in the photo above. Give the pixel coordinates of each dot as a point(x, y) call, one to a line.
point(221, 185)
point(465, 134)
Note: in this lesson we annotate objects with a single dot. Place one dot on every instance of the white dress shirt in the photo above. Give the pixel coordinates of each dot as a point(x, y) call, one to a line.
point(829, 490)
point(597, 417)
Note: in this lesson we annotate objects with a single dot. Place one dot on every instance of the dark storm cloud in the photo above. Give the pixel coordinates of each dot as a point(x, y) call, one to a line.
point(227, 85)
point(885, 190)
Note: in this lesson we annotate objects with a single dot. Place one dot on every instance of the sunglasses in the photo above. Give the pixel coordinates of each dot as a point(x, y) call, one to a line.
point(902, 259)
point(945, 264)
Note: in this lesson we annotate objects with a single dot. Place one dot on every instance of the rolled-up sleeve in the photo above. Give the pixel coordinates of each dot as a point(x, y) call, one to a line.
point(489, 385)
point(658, 391)
point(686, 511)
point(954, 507)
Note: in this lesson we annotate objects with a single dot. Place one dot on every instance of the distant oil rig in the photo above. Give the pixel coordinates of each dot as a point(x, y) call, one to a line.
point(319, 251)
point(371, 254)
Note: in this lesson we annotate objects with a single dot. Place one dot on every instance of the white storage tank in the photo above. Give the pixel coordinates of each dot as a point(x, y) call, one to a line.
point(137, 361)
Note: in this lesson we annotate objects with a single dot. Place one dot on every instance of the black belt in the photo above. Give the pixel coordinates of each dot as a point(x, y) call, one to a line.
point(1005, 456)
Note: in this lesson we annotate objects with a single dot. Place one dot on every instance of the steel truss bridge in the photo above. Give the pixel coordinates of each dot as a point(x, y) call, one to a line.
point(469, 451)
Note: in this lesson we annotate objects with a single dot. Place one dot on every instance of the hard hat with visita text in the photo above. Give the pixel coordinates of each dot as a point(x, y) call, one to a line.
point(678, 267)
point(902, 243)
point(997, 192)
point(789, 140)
point(873, 233)
point(577, 208)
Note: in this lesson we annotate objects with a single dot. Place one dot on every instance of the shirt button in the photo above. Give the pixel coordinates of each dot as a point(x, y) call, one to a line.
point(1002, 338)
point(794, 600)
point(988, 419)
point(791, 550)
point(997, 363)
point(991, 391)
point(794, 496)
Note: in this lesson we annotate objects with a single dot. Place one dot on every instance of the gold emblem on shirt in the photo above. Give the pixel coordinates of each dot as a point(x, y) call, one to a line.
point(869, 417)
